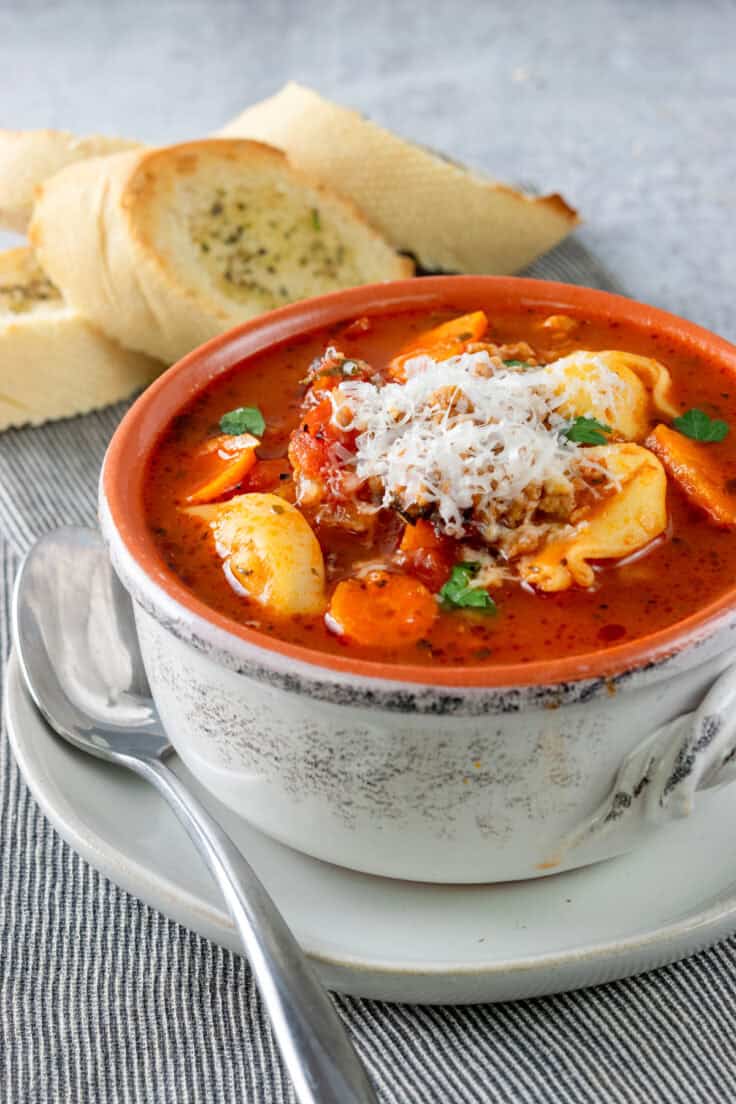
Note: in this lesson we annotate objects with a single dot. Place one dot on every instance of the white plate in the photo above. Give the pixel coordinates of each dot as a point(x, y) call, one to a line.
point(400, 941)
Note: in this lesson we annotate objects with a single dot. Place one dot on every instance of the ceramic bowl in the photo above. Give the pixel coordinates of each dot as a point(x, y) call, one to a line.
point(458, 775)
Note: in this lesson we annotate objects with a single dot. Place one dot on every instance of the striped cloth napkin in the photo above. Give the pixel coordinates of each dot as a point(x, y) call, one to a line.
point(102, 999)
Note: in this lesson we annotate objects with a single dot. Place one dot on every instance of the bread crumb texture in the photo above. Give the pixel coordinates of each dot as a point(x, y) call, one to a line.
point(24, 285)
point(266, 244)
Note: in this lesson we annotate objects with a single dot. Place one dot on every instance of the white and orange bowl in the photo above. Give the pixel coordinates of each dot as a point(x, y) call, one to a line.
point(472, 774)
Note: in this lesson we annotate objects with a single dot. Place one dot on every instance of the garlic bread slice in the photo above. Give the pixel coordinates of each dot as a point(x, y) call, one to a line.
point(52, 362)
point(163, 249)
point(443, 214)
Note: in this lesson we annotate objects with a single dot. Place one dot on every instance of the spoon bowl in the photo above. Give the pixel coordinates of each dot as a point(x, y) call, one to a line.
point(78, 650)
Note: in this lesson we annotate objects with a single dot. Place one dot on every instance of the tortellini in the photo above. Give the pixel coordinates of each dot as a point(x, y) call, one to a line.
point(622, 523)
point(624, 403)
point(270, 550)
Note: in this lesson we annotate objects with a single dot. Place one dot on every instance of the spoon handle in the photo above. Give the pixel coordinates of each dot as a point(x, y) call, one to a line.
point(319, 1056)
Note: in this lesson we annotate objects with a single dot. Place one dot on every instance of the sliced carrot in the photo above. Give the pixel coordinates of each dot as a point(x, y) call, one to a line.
point(222, 463)
point(448, 340)
point(421, 535)
point(697, 472)
point(381, 610)
point(458, 331)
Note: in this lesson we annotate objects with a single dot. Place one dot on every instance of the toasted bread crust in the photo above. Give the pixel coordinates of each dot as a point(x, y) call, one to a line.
point(447, 217)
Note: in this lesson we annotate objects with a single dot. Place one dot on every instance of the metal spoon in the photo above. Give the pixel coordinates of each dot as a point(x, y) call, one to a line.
point(78, 650)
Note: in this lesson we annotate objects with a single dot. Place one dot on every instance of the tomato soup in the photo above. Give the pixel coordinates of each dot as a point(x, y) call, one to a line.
point(430, 489)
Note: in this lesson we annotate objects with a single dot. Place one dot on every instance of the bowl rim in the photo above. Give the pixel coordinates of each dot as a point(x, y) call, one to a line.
point(123, 519)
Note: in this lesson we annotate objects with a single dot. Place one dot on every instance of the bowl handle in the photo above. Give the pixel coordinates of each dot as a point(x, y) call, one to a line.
point(657, 781)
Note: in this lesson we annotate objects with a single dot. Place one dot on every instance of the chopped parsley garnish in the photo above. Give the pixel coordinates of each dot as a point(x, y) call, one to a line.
point(244, 419)
point(586, 431)
point(458, 593)
point(517, 364)
point(316, 222)
point(696, 424)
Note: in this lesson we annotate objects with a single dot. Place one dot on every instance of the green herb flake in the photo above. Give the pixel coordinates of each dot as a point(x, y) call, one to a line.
point(316, 221)
point(459, 594)
point(698, 425)
point(586, 431)
point(517, 364)
point(244, 419)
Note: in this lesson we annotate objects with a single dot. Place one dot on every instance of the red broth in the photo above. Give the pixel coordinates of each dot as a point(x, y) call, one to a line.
point(689, 566)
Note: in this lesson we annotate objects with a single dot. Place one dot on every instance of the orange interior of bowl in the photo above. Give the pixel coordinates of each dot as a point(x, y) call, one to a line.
point(138, 433)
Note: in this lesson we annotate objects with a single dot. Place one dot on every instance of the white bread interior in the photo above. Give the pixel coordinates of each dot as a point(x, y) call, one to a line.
point(52, 362)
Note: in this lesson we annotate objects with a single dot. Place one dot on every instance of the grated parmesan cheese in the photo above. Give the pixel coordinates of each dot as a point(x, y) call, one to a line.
point(464, 435)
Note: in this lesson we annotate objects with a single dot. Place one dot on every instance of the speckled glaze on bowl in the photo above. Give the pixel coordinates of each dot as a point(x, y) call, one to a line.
point(470, 774)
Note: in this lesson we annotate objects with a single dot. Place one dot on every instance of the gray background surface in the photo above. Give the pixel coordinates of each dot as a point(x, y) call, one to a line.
point(628, 108)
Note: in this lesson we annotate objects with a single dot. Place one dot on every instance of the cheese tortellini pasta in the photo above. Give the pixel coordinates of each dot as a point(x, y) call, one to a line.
point(618, 389)
point(621, 524)
point(270, 551)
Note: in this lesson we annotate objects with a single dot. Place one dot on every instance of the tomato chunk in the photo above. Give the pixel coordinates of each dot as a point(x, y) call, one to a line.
point(426, 554)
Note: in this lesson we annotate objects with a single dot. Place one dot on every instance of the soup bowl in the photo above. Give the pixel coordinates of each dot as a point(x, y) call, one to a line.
point(469, 774)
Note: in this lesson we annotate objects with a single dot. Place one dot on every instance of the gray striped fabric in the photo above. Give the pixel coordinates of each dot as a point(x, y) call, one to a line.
point(103, 999)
